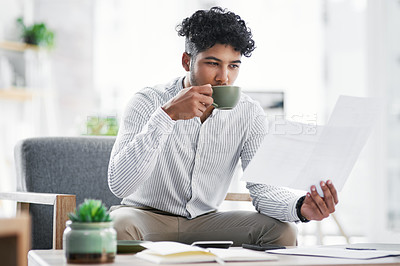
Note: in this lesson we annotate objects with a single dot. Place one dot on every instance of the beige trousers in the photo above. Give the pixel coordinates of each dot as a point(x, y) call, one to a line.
point(239, 226)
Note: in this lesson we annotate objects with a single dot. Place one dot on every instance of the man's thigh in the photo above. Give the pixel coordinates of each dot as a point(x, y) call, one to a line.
point(138, 224)
point(238, 226)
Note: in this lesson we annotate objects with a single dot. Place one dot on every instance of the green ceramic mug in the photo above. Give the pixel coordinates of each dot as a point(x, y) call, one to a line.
point(225, 97)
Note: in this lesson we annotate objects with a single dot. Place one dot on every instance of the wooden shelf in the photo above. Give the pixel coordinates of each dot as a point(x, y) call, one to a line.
point(17, 46)
point(16, 94)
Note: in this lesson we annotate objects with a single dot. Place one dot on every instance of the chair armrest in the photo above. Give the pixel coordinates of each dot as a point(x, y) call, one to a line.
point(238, 197)
point(63, 204)
point(31, 197)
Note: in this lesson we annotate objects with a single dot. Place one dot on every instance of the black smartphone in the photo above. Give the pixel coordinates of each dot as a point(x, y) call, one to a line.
point(213, 244)
point(263, 247)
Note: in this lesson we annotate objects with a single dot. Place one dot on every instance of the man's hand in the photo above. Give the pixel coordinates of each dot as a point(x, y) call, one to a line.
point(189, 102)
point(316, 207)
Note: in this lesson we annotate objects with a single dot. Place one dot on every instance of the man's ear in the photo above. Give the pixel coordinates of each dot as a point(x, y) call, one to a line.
point(186, 61)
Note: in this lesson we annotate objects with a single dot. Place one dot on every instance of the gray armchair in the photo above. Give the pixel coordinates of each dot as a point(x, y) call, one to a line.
point(60, 172)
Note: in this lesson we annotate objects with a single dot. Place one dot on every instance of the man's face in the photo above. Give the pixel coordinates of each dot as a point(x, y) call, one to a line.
point(218, 65)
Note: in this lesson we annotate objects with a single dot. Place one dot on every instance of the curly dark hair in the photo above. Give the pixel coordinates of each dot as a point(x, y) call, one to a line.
point(205, 28)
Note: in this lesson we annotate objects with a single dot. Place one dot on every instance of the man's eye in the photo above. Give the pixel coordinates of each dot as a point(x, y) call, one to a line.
point(212, 63)
point(234, 66)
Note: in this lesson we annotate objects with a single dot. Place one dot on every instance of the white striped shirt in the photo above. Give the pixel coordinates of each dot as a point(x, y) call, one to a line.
point(185, 167)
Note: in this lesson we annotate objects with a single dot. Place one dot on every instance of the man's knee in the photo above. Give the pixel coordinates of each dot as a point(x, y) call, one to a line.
point(288, 235)
point(280, 233)
point(123, 224)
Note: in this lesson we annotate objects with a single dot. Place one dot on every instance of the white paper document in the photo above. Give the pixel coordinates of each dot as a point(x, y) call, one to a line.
point(341, 253)
point(299, 155)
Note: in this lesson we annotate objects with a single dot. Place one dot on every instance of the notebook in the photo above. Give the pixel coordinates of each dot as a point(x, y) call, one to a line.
point(174, 252)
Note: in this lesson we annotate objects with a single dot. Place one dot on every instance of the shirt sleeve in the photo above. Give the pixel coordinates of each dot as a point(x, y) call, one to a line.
point(144, 129)
point(276, 202)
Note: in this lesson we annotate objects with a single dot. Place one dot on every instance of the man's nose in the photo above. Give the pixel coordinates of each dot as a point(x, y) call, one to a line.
point(222, 76)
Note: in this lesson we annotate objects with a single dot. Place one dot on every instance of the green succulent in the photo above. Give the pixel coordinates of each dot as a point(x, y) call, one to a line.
point(90, 211)
point(36, 34)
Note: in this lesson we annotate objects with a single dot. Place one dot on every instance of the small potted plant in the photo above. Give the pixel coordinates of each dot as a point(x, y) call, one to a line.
point(89, 236)
point(36, 34)
point(105, 126)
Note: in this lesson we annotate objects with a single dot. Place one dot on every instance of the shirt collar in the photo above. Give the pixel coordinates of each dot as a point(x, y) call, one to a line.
point(175, 86)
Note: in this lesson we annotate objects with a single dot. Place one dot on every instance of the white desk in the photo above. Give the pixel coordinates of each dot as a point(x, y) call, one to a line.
point(56, 258)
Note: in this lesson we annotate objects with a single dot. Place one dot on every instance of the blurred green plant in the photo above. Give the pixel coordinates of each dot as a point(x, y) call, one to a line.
point(90, 211)
point(36, 34)
point(102, 126)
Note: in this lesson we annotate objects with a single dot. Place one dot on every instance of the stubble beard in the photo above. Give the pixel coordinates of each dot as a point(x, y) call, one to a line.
point(192, 78)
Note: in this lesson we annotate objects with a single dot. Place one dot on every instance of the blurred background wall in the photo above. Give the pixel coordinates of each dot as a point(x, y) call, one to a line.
point(313, 51)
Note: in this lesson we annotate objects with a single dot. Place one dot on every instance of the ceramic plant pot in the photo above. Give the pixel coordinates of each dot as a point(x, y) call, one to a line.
point(90, 242)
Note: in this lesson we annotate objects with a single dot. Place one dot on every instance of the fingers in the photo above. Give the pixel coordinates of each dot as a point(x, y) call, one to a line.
point(333, 191)
point(203, 94)
point(205, 100)
point(189, 102)
point(310, 209)
point(317, 207)
point(323, 209)
point(328, 198)
point(202, 107)
point(204, 89)
point(309, 203)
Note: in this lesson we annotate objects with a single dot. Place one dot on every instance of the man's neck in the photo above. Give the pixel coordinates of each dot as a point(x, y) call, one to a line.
point(185, 82)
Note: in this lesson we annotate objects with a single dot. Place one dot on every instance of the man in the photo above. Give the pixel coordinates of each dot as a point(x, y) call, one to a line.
point(175, 154)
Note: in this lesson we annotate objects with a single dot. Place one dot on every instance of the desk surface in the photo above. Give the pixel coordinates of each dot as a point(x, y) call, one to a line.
point(56, 258)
